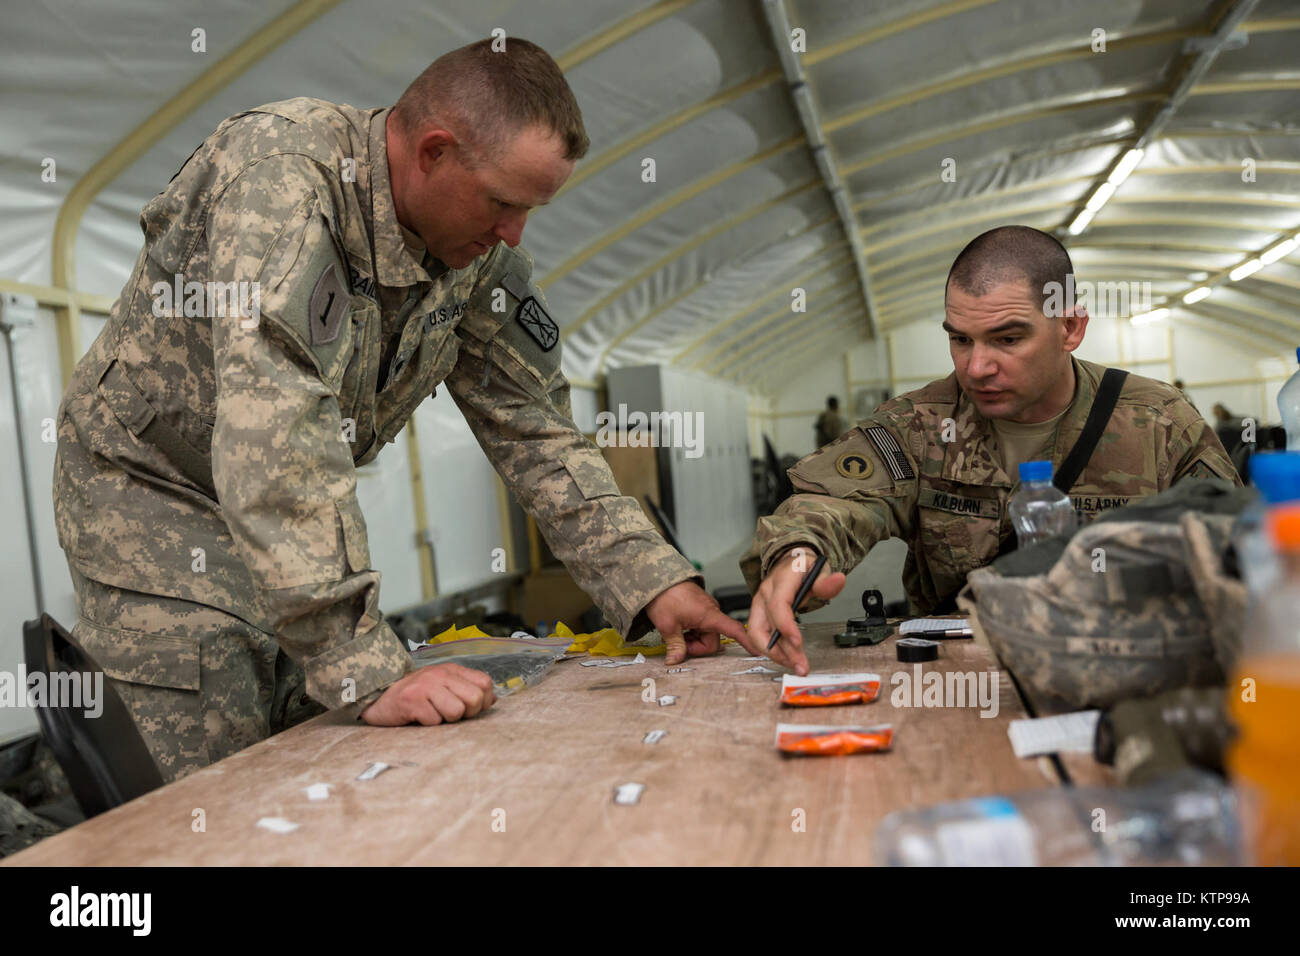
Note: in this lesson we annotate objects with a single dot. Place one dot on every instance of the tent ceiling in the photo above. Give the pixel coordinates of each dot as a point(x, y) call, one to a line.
point(696, 267)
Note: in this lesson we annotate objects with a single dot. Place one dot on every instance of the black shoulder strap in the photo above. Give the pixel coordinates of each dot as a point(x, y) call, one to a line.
point(1103, 403)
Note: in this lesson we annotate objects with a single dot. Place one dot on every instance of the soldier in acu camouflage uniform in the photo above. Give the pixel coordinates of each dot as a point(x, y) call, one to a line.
point(936, 467)
point(205, 484)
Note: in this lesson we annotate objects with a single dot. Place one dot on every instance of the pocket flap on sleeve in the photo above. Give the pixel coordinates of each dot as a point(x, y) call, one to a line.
point(592, 477)
point(355, 540)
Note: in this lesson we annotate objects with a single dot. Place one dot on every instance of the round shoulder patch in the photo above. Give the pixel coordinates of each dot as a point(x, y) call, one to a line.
point(854, 466)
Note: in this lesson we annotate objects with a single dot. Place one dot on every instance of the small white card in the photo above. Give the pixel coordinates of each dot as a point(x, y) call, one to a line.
point(277, 824)
point(928, 625)
point(1065, 733)
point(628, 794)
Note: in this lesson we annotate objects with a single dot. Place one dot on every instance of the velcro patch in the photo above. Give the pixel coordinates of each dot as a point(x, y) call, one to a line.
point(328, 305)
point(890, 452)
point(537, 322)
point(1091, 505)
point(957, 504)
point(362, 285)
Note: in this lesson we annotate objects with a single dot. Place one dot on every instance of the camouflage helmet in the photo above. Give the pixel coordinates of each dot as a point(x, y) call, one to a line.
point(1109, 614)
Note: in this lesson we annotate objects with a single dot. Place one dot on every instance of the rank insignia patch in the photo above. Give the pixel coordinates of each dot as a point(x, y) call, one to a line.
point(537, 322)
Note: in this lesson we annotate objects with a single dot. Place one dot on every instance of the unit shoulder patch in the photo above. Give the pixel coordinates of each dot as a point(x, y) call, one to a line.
point(537, 322)
point(854, 466)
point(328, 305)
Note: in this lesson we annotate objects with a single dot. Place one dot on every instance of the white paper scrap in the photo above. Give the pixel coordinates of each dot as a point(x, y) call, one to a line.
point(760, 669)
point(628, 794)
point(680, 670)
point(654, 736)
point(1065, 733)
point(928, 625)
point(373, 771)
point(611, 662)
point(277, 824)
point(667, 700)
point(318, 791)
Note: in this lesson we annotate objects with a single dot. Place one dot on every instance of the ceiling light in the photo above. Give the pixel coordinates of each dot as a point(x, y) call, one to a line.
point(1247, 268)
point(1098, 199)
point(1081, 222)
point(1146, 318)
point(1283, 248)
point(1196, 295)
point(1126, 166)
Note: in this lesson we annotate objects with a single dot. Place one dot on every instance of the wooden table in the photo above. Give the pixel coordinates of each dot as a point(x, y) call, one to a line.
point(544, 765)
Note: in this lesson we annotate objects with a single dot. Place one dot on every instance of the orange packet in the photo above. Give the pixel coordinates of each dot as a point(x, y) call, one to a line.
point(821, 741)
point(825, 690)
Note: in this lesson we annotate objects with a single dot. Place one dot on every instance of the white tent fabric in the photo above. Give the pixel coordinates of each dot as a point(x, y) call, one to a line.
point(1012, 92)
point(701, 268)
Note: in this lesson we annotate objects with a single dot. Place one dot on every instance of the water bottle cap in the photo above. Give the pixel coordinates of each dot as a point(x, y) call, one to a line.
point(1276, 474)
point(1284, 526)
point(1035, 471)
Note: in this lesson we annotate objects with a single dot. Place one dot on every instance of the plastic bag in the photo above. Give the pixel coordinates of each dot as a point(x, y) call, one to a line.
point(822, 690)
point(512, 663)
point(818, 741)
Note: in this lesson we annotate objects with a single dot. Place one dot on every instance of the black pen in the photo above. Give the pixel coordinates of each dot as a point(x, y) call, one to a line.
point(804, 587)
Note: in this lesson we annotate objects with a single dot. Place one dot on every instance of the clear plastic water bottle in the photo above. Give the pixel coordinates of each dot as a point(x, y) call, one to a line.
point(1276, 476)
point(1188, 818)
point(1288, 403)
point(1039, 510)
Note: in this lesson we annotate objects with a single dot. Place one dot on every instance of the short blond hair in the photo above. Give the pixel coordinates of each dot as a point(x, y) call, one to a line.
point(486, 97)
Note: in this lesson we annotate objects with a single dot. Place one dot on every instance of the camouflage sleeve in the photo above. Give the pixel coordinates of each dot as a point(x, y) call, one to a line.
point(283, 472)
point(508, 384)
point(1195, 450)
point(851, 495)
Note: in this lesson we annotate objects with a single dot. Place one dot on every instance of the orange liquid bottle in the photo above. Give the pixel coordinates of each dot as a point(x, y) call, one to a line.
point(1264, 703)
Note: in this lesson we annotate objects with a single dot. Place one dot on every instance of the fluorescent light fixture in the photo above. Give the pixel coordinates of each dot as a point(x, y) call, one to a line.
point(1126, 166)
point(1283, 248)
point(1098, 199)
point(1146, 318)
point(1081, 222)
point(1247, 268)
point(1196, 295)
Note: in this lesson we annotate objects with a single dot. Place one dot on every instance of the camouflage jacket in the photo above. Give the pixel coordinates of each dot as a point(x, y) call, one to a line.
point(925, 468)
point(208, 452)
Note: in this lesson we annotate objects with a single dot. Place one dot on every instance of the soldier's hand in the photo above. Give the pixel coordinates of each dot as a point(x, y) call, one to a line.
point(690, 622)
point(439, 693)
point(771, 608)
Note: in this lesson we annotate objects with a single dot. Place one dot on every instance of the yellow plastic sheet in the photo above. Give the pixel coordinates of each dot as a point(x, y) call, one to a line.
point(454, 634)
point(606, 642)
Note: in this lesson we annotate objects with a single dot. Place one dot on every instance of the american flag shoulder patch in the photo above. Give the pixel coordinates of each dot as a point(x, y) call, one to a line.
point(890, 452)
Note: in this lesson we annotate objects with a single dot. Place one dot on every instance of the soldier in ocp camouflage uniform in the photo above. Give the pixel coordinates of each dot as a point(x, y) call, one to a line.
point(205, 485)
point(934, 468)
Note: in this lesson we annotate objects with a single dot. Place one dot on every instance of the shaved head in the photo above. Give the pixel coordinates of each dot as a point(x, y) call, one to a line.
point(1010, 254)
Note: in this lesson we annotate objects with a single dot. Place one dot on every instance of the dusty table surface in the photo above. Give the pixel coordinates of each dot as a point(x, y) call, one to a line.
point(533, 780)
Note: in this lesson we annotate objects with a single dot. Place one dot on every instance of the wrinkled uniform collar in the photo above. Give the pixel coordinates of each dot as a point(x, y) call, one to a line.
point(393, 261)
